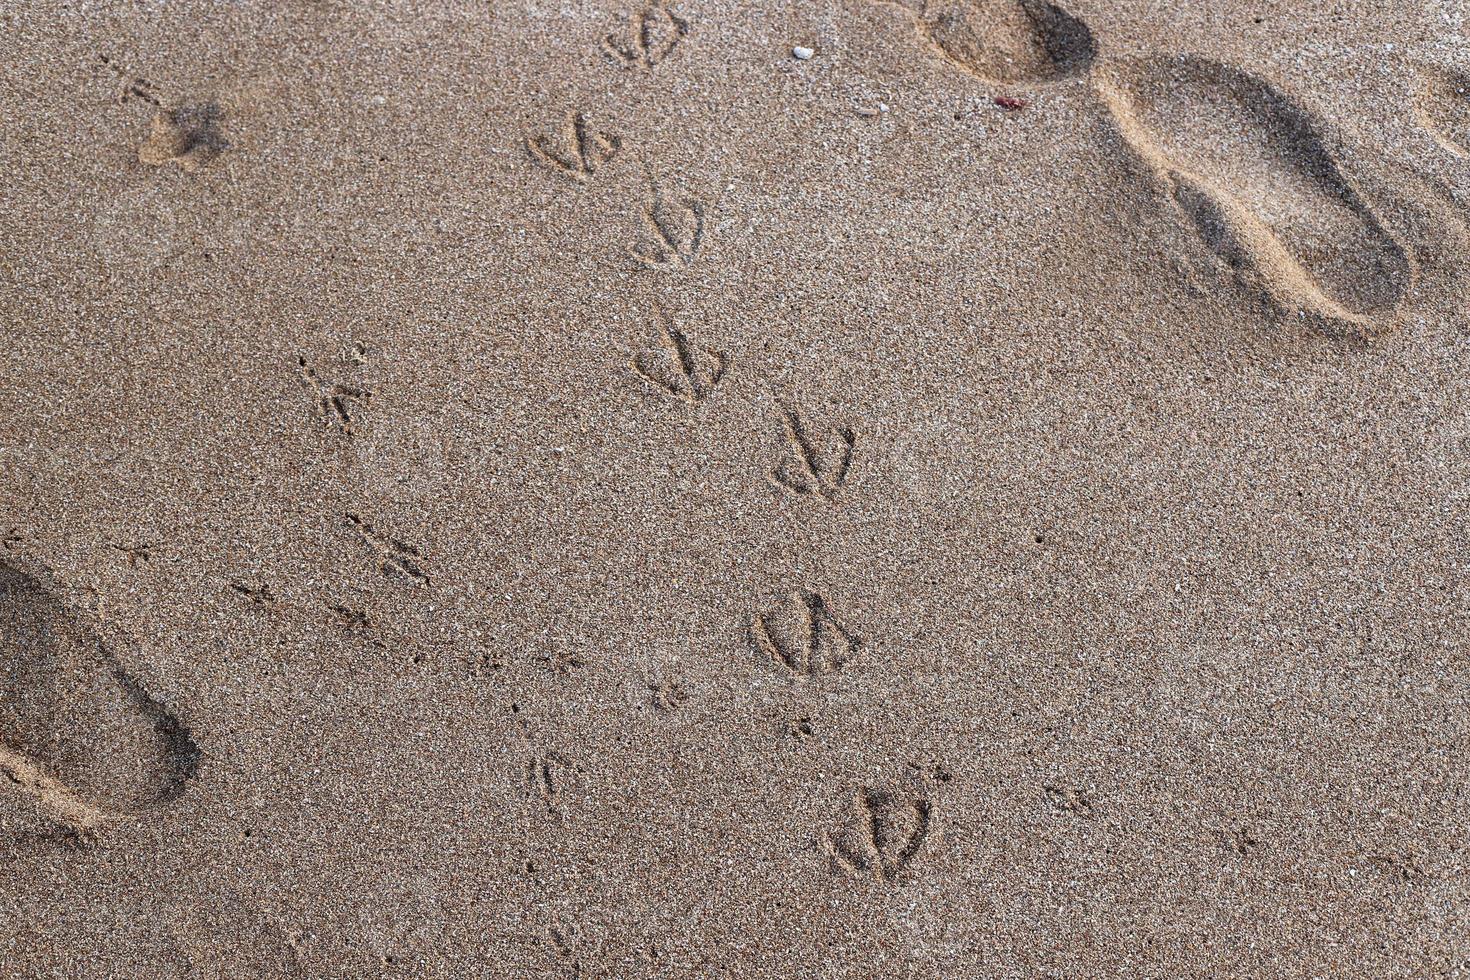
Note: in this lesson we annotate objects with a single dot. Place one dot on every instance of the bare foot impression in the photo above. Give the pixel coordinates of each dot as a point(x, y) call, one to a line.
point(1249, 169)
point(1006, 42)
point(78, 733)
point(1444, 109)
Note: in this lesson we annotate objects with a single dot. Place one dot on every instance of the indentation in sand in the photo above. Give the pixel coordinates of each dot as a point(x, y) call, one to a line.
point(576, 151)
point(77, 732)
point(1251, 172)
point(188, 136)
point(1444, 109)
point(886, 832)
point(652, 37)
point(817, 460)
point(674, 226)
point(1007, 42)
point(803, 636)
point(679, 365)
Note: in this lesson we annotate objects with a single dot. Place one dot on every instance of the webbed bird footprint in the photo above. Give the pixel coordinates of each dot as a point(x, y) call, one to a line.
point(1251, 172)
point(1006, 42)
point(79, 737)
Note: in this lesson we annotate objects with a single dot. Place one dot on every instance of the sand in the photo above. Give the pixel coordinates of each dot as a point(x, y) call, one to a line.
point(575, 490)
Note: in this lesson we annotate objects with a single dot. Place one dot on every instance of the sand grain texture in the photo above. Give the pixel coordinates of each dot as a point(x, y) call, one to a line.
point(575, 490)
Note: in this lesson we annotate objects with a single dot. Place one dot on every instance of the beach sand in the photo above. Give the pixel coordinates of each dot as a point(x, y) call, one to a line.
point(577, 490)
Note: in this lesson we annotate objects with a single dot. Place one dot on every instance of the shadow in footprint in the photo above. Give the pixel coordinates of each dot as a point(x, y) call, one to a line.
point(1443, 108)
point(1007, 42)
point(78, 733)
point(188, 136)
point(1251, 172)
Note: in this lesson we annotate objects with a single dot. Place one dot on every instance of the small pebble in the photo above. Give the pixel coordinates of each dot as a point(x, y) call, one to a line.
point(803, 53)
